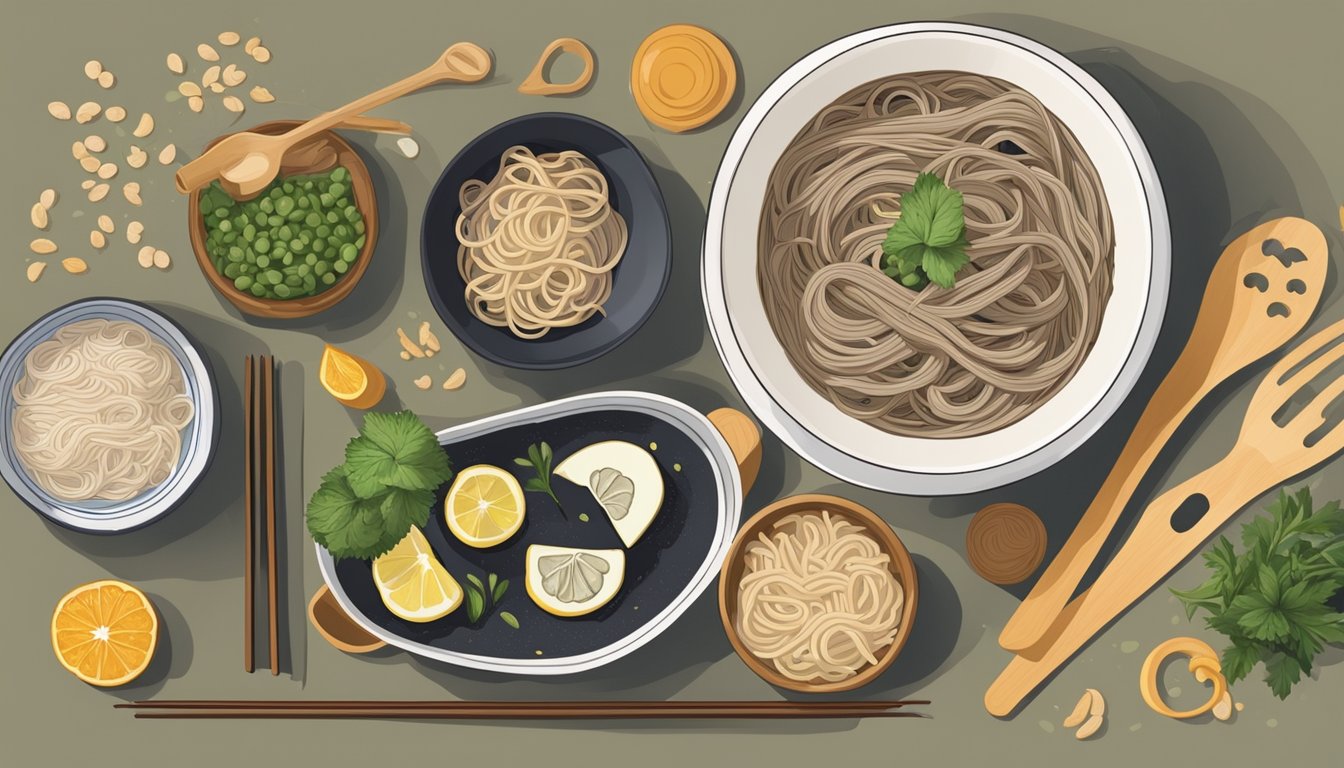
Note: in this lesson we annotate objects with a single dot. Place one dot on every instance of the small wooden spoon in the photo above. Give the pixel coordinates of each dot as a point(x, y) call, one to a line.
point(333, 623)
point(1262, 292)
point(246, 162)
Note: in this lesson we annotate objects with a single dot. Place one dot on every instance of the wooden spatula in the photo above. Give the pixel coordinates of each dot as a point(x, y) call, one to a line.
point(246, 162)
point(1179, 521)
point(1262, 292)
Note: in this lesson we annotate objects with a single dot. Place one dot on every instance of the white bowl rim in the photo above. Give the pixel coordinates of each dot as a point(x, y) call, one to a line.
point(1002, 456)
point(197, 451)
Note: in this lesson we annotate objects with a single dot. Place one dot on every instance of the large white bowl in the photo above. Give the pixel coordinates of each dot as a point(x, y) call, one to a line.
point(812, 425)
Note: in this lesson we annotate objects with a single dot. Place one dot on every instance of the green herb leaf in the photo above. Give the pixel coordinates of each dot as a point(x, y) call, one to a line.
point(498, 590)
point(1238, 659)
point(523, 462)
point(397, 449)
point(508, 618)
point(402, 508)
point(1282, 672)
point(927, 242)
point(539, 458)
point(475, 605)
point(476, 581)
point(345, 524)
point(491, 582)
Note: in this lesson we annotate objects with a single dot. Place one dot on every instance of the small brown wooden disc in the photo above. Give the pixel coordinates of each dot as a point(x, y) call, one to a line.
point(1005, 543)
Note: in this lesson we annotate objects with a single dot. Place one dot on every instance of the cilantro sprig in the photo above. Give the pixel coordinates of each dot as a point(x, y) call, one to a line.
point(928, 241)
point(386, 485)
point(1272, 601)
point(539, 458)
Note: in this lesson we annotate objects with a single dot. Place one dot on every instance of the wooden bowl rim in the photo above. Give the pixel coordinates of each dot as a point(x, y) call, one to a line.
point(901, 565)
point(361, 184)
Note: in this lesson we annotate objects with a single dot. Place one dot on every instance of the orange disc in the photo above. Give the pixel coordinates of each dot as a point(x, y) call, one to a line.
point(682, 77)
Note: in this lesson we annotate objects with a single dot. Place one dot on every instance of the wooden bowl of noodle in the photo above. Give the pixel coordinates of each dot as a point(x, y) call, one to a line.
point(773, 602)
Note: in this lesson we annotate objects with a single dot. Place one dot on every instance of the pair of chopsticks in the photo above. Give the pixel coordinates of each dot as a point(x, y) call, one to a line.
point(517, 710)
point(261, 439)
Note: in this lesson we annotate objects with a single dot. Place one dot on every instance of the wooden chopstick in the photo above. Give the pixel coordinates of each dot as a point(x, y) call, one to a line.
point(249, 434)
point(272, 594)
point(517, 710)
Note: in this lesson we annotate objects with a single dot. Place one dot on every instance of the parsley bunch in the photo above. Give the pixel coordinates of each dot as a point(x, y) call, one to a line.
point(387, 484)
point(928, 241)
point(1273, 600)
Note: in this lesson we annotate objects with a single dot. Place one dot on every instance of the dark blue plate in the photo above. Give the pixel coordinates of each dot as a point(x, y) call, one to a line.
point(637, 281)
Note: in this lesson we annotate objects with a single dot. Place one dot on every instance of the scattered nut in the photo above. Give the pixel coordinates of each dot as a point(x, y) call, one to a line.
point(233, 75)
point(59, 110)
point(427, 338)
point(107, 170)
point(115, 114)
point(196, 103)
point(188, 88)
point(87, 112)
point(90, 163)
point(93, 69)
point(144, 127)
point(146, 256)
point(167, 154)
point(216, 87)
point(47, 198)
point(35, 270)
point(408, 146)
point(410, 346)
point(1223, 709)
point(98, 192)
point(42, 246)
point(261, 94)
point(405, 355)
point(87, 184)
point(137, 158)
point(39, 216)
point(107, 80)
point(1089, 728)
point(97, 239)
point(105, 223)
point(95, 144)
point(455, 380)
point(75, 265)
point(161, 259)
point(251, 45)
point(233, 104)
point(79, 150)
point(211, 76)
point(131, 191)
point(175, 64)
point(262, 54)
point(228, 38)
point(1080, 710)
point(423, 382)
point(207, 52)
point(1098, 707)
point(133, 232)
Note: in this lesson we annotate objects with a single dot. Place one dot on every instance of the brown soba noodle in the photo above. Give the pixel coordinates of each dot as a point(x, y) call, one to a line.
point(817, 598)
point(538, 242)
point(1020, 319)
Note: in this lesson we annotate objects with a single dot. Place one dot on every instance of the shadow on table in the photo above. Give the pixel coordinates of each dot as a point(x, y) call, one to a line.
point(1227, 162)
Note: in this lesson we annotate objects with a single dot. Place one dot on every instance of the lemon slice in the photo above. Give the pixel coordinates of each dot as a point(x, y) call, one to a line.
point(413, 583)
point(105, 632)
point(352, 380)
point(485, 506)
point(624, 479)
point(572, 582)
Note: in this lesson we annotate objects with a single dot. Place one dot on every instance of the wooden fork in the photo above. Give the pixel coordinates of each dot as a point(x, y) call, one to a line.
point(1179, 521)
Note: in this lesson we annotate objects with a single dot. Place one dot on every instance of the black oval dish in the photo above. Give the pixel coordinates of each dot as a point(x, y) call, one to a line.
point(637, 281)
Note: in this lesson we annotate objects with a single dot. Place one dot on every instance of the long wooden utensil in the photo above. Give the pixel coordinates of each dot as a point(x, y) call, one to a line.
point(1262, 292)
point(1179, 521)
point(249, 495)
point(249, 161)
point(272, 580)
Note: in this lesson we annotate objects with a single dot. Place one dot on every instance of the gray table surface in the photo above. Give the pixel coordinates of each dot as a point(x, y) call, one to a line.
point(1240, 102)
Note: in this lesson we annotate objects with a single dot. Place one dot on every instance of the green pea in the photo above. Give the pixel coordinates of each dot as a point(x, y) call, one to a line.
point(273, 276)
point(285, 233)
point(258, 290)
point(349, 252)
point(321, 268)
point(266, 205)
point(242, 282)
point(359, 227)
point(261, 245)
point(297, 245)
point(309, 284)
point(235, 253)
point(323, 230)
point(341, 267)
point(225, 225)
point(284, 205)
point(282, 291)
point(340, 173)
point(328, 278)
point(288, 259)
point(312, 219)
point(293, 281)
point(359, 242)
point(249, 233)
point(333, 217)
point(303, 202)
point(337, 189)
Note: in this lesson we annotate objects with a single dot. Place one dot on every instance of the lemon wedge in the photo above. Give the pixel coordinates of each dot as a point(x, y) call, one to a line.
point(354, 381)
point(485, 506)
point(625, 481)
point(572, 582)
point(413, 583)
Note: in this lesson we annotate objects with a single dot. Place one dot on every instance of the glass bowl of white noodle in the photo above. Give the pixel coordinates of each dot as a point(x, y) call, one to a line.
point(108, 415)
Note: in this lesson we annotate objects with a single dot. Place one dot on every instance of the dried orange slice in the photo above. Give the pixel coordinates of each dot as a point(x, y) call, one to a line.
point(105, 632)
point(353, 380)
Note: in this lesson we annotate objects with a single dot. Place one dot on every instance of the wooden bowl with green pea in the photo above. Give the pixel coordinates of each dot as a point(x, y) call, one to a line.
point(299, 246)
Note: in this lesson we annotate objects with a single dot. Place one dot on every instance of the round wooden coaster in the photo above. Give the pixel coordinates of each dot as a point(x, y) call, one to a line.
point(1005, 543)
point(682, 77)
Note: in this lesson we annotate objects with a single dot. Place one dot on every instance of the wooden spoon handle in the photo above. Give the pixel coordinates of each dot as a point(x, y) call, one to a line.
point(1153, 551)
point(462, 63)
point(1185, 385)
point(744, 438)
